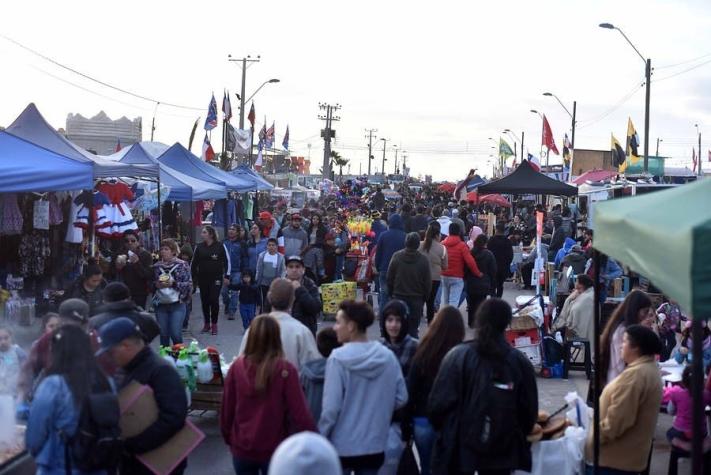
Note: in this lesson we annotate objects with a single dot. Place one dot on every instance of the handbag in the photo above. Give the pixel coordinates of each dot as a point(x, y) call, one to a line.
point(408, 464)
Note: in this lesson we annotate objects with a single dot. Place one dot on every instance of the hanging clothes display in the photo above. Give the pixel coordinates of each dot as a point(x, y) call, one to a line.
point(248, 206)
point(116, 211)
point(55, 210)
point(74, 233)
point(34, 252)
point(91, 203)
point(219, 218)
point(197, 216)
point(12, 221)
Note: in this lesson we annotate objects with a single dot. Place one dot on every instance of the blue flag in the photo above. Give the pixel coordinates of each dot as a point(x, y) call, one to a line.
point(211, 119)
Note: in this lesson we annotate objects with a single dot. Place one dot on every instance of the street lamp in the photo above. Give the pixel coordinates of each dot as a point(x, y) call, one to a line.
point(658, 142)
point(572, 126)
point(270, 81)
point(515, 138)
point(648, 80)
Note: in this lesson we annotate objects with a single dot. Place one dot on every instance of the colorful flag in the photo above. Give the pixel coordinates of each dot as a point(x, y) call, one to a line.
point(230, 137)
point(252, 116)
point(632, 142)
point(192, 134)
point(118, 145)
point(208, 154)
point(547, 138)
point(243, 139)
point(693, 160)
point(211, 119)
point(567, 146)
point(263, 135)
point(258, 162)
point(504, 148)
point(227, 106)
point(269, 137)
point(619, 158)
point(285, 142)
point(533, 161)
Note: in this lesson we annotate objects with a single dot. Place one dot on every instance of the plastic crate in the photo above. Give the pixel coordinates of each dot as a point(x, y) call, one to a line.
point(532, 352)
point(528, 337)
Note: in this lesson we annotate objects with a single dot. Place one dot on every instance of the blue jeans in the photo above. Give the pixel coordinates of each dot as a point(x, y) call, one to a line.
point(248, 467)
point(247, 311)
point(170, 318)
point(384, 295)
point(229, 297)
point(424, 441)
point(340, 261)
point(451, 290)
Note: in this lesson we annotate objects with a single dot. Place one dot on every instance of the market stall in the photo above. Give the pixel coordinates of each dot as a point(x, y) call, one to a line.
point(634, 231)
point(525, 180)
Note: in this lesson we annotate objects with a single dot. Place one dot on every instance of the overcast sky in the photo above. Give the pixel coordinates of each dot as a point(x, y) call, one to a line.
point(435, 78)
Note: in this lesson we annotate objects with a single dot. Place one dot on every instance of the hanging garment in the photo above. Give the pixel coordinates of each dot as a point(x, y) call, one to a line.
point(74, 233)
point(248, 205)
point(91, 203)
point(55, 211)
point(116, 210)
point(218, 213)
point(34, 252)
point(11, 215)
point(197, 217)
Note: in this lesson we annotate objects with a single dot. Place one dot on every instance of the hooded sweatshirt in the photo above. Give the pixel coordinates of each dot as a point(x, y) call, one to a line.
point(389, 243)
point(564, 251)
point(364, 386)
point(409, 274)
point(312, 377)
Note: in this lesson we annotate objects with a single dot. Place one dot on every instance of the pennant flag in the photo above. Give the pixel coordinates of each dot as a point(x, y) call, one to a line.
point(693, 160)
point(192, 134)
point(632, 142)
point(118, 145)
point(211, 119)
point(547, 138)
point(252, 116)
point(230, 137)
point(263, 135)
point(227, 106)
point(619, 158)
point(258, 163)
point(208, 154)
point(567, 146)
point(269, 137)
point(504, 148)
point(285, 142)
point(535, 164)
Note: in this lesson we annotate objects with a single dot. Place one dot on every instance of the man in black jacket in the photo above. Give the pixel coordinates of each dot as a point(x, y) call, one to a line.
point(307, 301)
point(118, 303)
point(502, 249)
point(135, 269)
point(410, 279)
point(122, 340)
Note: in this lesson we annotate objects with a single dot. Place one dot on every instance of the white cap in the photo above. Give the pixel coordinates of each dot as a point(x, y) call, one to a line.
point(304, 454)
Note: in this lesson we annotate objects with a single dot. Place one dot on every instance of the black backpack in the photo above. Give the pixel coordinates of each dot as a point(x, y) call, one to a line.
point(491, 412)
point(97, 443)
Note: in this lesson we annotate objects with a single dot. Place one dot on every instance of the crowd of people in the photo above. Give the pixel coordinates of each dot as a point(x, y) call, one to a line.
point(465, 407)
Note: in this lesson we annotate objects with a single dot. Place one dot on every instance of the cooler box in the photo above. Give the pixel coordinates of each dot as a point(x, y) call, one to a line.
point(519, 338)
point(532, 352)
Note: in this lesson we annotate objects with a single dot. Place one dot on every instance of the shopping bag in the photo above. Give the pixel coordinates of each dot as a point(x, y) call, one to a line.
point(408, 464)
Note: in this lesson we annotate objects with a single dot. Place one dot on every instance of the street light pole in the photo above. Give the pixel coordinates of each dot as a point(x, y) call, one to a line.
point(244, 61)
point(658, 140)
point(700, 161)
point(572, 126)
point(385, 142)
point(648, 82)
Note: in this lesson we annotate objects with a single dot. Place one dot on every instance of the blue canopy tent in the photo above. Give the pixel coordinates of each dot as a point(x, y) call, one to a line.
point(179, 158)
point(260, 184)
point(31, 126)
point(24, 167)
point(182, 186)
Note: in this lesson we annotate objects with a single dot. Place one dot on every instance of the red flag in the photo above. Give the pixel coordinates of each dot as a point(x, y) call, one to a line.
point(547, 138)
point(252, 116)
point(208, 154)
point(118, 146)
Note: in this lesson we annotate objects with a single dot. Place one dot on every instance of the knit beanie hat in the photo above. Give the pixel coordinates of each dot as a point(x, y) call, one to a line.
point(305, 453)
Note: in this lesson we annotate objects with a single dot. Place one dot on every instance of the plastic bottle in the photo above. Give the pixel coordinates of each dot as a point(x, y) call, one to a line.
point(204, 368)
point(194, 351)
point(558, 337)
point(185, 370)
point(163, 353)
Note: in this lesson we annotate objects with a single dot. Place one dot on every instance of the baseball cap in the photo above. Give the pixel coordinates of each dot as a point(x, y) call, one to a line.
point(294, 259)
point(295, 216)
point(115, 331)
point(74, 309)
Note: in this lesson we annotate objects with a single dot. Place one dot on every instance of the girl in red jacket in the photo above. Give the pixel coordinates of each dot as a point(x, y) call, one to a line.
point(262, 394)
point(458, 257)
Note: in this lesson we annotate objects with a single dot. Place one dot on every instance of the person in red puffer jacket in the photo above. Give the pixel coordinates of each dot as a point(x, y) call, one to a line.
point(458, 257)
point(263, 402)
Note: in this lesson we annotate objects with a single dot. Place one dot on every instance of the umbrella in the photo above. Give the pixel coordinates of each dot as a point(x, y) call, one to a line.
point(495, 199)
point(447, 187)
point(472, 196)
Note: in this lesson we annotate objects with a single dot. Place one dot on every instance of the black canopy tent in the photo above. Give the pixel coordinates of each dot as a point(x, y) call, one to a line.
point(525, 180)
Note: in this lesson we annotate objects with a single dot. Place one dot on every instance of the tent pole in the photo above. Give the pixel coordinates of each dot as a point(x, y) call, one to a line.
point(160, 221)
point(596, 373)
point(191, 221)
point(697, 383)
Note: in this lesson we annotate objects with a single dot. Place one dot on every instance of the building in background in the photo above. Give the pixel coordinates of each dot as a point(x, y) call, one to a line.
point(100, 134)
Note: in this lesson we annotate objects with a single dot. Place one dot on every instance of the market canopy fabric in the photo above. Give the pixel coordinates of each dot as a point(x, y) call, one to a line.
point(26, 167)
point(179, 158)
point(182, 186)
point(525, 180)
point(260, 184)
point(594, 175)
point(666, 237)
point(31, 126)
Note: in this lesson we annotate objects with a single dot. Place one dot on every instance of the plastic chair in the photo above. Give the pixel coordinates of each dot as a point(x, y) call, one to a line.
point(571, 351)
point(679, 453)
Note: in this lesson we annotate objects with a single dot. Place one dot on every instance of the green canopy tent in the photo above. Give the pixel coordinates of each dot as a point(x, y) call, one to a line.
point(666, 237)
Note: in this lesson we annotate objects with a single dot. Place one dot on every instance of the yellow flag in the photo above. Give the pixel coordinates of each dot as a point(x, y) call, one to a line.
point(619, 159)
point(632, 142)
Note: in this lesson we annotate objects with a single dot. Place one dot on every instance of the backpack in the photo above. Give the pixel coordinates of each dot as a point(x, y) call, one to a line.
point(492, 415)
point(168, 295)
point(97, 443)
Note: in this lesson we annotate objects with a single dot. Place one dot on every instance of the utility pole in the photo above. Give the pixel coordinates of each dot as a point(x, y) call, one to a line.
point(327, 133)
point(700, 161)
point(395, 171)
point(385, 142)
point(370, 138)
point(244, 62)
point(658, 140)
point(404, 162)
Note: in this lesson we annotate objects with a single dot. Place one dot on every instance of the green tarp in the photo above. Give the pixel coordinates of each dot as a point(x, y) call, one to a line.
point(655, 166)
point(666, 237)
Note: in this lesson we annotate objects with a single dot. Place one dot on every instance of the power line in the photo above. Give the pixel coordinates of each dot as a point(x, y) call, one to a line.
point(667, 66)
point(683, 71)
point(619, 104)
point(98, 81)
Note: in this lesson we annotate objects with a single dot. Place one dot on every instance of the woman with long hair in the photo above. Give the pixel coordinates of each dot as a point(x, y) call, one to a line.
point(317, 230)
point(635, 309)
point(256, 244)
point(445, 332)
point(262, 401)
point(210, 267)
point(54, 413)
point(484, 401)
point(478, 288)
point(394, 331)
point(437, 254)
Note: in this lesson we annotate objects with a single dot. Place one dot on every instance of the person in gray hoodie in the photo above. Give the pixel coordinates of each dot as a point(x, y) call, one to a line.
point(314, 372)
point(363, 387)
point(295, 238)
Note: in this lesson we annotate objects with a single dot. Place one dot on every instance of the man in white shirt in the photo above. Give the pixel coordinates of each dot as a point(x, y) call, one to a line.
point(297, 340)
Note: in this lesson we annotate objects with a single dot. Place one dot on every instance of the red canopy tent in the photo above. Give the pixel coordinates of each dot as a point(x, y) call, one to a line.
point(495, 199)
point(447, 187)
point(594, 175)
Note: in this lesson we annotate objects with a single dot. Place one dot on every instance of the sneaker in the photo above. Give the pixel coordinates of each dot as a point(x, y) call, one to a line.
point(205, 329)
point(214, 329)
